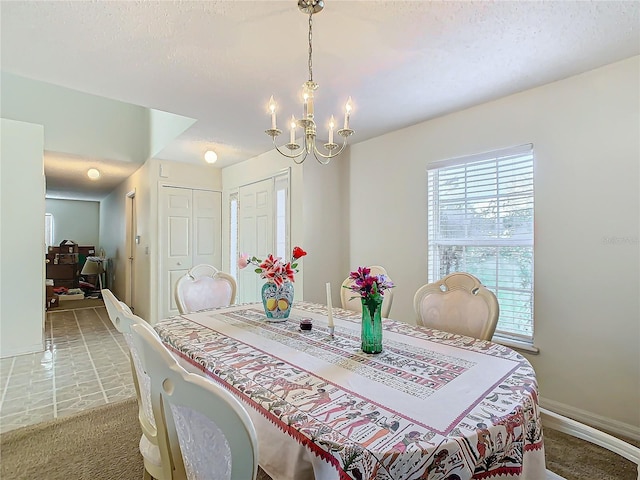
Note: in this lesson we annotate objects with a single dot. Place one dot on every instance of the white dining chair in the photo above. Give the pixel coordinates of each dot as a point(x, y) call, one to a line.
point(204, 423)
point(204, 286)
point(156, 457)
point(585, 432)
point(351, 301)
point(458, 303)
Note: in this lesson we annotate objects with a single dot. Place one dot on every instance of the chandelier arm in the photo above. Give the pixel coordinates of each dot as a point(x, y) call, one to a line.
point(321, 159)
point(299, 162)
point(289, 155)
point(317, 152)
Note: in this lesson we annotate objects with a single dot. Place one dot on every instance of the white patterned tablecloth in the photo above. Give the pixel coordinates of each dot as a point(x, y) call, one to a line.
point(432, 405)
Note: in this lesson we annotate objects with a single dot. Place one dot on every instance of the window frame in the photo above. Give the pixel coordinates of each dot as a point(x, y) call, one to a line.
point(526, 239)
point(234, 228)
point(48, 231)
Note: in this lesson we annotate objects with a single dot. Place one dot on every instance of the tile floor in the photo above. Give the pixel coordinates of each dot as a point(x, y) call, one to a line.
point(85, 364)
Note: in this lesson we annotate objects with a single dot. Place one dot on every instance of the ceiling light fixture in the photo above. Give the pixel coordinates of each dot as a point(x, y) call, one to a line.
point(210, 156)
point(306, 122)
point(93, 173)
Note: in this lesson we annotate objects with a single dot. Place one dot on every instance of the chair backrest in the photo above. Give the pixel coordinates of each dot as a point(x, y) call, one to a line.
point(123, 319)
point(458, 303)
point(353, 303)
point(203, 421)
point(204, 287)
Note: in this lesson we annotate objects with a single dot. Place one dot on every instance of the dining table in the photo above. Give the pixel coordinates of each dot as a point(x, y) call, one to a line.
point(432, 405)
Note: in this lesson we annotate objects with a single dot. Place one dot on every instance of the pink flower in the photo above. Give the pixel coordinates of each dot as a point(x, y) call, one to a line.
point(274, 269)
point(243, 261)
point(367, 285)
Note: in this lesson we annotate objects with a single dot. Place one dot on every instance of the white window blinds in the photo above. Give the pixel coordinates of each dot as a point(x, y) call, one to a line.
point(480, 221)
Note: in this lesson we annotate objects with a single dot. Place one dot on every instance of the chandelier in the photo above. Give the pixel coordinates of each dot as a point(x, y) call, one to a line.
point(299, 152)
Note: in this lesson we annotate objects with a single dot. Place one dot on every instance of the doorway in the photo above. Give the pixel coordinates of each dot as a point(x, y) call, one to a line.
point(263, 227)
point(132, 241)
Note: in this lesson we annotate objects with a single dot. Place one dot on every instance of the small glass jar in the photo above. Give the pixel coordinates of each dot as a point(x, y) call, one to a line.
point(306, 324)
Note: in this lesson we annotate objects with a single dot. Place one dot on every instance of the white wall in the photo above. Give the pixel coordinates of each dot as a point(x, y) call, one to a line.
point(326, 227)
point(78, 123)
point(21, 238)
point(75, 220)
point(585, 131)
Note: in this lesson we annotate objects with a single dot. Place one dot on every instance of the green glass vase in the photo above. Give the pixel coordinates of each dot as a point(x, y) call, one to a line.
point(371, 335)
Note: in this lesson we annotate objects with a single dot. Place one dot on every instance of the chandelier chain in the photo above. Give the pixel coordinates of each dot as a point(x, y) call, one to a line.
point(310, 47)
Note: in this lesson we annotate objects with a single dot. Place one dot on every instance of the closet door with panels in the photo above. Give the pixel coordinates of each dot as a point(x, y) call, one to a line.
point(190, 226)
point(256, 234)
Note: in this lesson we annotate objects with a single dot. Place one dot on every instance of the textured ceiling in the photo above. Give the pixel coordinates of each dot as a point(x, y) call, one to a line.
point(402, 62)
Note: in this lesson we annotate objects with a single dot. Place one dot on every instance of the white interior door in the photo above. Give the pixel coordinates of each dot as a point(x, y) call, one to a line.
point(190, 231)
point(176, 205)
point(255, 234)
point(207, 228)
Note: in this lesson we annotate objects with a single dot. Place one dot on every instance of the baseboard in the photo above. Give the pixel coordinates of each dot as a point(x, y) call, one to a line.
point(554, 476)
point(596, 421)
point(14, 352)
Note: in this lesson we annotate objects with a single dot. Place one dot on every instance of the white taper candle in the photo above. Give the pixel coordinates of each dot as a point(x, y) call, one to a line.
point(272, 109)
point(329, 305)
point(332, 124)
point(293, 129)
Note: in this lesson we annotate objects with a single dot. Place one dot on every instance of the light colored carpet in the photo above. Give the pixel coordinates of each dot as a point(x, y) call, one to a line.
point(575, 459)
point(102, 444)
point(96, 444)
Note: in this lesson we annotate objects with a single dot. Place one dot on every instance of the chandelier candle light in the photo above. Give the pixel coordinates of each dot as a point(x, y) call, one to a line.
point(307, 123)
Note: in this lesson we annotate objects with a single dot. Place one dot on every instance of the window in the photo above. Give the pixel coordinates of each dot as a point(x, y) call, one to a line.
point(282, 215)
point(233, 235)
point(480, 221)
point(48, 230)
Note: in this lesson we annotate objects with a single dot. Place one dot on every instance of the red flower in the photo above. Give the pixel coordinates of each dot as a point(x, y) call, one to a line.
point(298, 253)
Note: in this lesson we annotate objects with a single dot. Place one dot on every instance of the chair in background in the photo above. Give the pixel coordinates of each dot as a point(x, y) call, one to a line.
point(458, 303)
point(204, 422)
point(352, 302)
point(579, 430)
point(204, 287)
point(156, 457)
